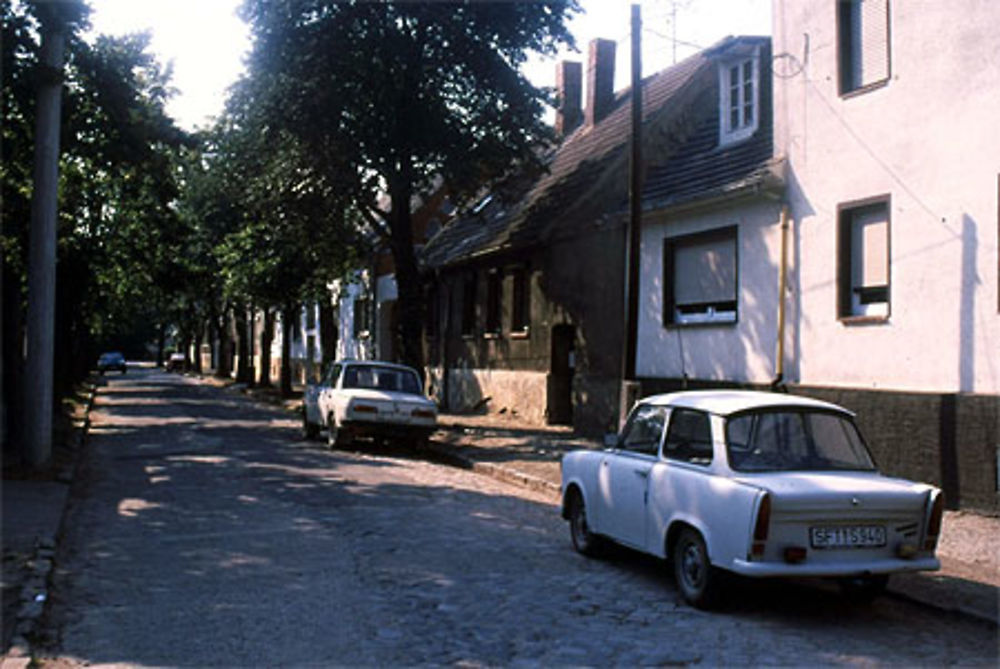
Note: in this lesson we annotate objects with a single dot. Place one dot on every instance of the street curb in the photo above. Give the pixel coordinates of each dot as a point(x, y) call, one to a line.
point(34, 594)
point(499, 472)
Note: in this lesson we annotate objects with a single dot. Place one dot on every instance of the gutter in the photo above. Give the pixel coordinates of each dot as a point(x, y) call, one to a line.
point(779, 362)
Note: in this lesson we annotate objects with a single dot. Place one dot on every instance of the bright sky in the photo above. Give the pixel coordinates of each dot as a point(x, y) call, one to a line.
point(206, 42)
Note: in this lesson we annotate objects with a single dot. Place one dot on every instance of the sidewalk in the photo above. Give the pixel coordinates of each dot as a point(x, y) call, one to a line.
point(969, 549)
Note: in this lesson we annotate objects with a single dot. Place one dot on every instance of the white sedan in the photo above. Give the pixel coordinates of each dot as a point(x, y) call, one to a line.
point(755, 483)
point(368, 399)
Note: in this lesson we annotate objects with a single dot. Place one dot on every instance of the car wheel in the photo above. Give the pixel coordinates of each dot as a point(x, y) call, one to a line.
point(335, 438)
point(309, 430)
point(584, 541)
point(864, 589)
point(697, 579)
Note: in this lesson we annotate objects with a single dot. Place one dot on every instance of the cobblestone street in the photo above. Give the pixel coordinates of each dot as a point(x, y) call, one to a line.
point(204, 531)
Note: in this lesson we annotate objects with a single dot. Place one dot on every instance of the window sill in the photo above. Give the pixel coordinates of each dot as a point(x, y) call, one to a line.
point(863, 320)
point(867, 88)
point(701, 324)
point(520, 334)
point(468, 337)
point(491, 335)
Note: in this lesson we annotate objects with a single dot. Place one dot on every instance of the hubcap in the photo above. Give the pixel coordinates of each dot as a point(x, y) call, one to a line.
point(691, 565)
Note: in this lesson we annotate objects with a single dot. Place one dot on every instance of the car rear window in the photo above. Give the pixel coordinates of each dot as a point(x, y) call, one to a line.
point(376, 377)
point(795, 440)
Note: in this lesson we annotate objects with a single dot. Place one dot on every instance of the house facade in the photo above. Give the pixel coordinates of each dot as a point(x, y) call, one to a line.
point(526, 286)
point(858, 261)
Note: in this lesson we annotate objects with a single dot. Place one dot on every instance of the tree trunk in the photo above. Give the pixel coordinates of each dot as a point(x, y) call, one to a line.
point(286, 349)
point(408, 284)
point(199, 332)
point(243, 372)
point(327, 332)
point(266, 338)
point(223, 365)
point(161, 343)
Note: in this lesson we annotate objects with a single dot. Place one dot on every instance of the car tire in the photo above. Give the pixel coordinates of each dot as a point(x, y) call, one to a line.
point(309, 430)
point(584, 541)
point(697, 580)
point(335, 438)
point(864, 589)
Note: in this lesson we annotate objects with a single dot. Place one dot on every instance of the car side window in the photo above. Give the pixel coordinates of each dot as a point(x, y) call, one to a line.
point(689, 437)
point(644, 430)
point(331, 375)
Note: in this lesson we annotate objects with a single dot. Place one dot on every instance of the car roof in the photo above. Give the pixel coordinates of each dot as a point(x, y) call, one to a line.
point(376, 363)
point(726, 402)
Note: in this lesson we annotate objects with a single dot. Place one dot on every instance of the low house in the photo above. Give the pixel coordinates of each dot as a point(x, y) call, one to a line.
point(526, 288)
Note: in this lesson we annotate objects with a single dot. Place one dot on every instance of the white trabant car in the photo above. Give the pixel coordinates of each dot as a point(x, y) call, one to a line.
point(368, 399)
point(760, 484)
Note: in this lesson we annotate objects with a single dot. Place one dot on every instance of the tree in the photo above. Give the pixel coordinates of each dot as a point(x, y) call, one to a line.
point(116, 232)
point(404, 93)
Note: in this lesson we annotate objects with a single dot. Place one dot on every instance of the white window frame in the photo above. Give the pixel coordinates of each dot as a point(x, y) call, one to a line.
point(744, 128)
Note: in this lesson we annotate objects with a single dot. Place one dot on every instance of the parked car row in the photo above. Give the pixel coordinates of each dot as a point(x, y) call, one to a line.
point(756, 484)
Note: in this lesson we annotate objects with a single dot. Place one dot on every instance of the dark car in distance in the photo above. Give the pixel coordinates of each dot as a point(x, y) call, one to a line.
point(111, 361)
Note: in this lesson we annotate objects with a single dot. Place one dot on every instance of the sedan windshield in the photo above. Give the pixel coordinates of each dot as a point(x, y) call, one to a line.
point(795, 440)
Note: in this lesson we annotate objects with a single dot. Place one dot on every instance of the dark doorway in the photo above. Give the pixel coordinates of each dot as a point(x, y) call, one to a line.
point(561, 376)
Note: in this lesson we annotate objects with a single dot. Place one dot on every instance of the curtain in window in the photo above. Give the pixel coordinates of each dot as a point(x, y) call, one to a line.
point(705, 272)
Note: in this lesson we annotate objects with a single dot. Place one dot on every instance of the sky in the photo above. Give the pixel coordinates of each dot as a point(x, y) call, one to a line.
point(206, 42)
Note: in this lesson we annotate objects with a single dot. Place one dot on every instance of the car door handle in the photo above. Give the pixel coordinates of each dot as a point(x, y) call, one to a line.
point(642, 473)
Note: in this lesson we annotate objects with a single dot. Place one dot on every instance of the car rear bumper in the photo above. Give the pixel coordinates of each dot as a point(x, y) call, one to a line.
point(392, 430)
point(854, 568)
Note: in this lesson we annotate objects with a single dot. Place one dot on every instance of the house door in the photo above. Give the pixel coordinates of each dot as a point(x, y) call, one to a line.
point(563, 364)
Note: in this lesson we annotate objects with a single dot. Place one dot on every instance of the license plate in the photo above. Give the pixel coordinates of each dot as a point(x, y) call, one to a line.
point(847, 536)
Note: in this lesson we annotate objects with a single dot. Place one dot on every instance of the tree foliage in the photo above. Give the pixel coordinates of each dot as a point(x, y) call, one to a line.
point(117, 232)
point(393, 95)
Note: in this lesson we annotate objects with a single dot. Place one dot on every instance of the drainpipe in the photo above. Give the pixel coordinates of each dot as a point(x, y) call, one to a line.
point(779, 376)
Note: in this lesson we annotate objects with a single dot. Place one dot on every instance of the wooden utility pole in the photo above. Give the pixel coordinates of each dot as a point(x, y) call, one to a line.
point(38, 392)
point(630, 388)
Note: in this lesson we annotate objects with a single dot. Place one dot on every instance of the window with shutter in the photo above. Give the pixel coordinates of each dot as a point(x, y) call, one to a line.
point(700, 278)
point(863, 38)
point(864, 259)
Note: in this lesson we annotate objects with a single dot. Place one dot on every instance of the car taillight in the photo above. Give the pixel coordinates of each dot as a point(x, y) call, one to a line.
point(364, 408)
point(934, 523)
point(761, 527)
point(422, 413)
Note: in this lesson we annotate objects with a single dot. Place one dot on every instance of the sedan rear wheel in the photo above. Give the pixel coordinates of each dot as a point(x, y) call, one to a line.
point(335, 437)
point(697, 579)
point(584, 541)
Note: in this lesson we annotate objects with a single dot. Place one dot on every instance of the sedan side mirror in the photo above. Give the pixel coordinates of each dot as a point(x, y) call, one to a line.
point(611, 440)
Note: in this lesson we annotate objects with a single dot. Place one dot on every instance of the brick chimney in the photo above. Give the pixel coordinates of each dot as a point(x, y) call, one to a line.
point(569, 88)
point(600, 80)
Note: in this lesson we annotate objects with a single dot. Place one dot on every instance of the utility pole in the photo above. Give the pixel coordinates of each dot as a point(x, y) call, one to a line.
point(630, 387)
point(38, 395)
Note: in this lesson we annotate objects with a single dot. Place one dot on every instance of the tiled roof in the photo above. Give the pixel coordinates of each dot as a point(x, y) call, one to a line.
point(580, 185)
point(701, 169)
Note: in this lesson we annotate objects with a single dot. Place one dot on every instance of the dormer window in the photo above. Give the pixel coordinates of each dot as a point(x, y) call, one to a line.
point(739, 100)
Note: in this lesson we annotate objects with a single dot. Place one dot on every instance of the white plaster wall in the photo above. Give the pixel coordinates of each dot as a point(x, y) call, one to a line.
point(931, 140)
point(741, 351)
point(349, 346)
